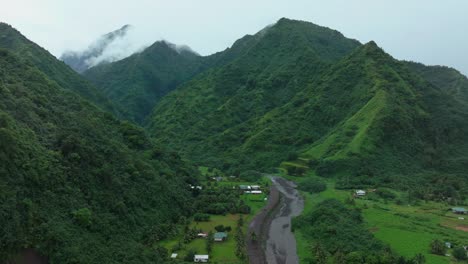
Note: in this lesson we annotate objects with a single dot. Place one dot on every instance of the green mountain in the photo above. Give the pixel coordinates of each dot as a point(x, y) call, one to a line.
point(225, 108)
point(56, 70)
point(307, 94)
point(445, 78)
point(138, 82)
point(76, 184)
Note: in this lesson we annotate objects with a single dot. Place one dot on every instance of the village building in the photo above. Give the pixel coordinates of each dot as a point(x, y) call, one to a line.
point(203, 235)
point(255, 187)
point(360, 193)
point(174, 255)
point(459, 210)
point(256, 192)
point(245, 187)
point(220, 236)
point(201, 258)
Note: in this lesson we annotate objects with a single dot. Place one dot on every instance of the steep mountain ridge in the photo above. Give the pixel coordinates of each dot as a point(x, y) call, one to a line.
point(81, 61)
point(13, 40)
point(77, 185)
point(278, 63)
point(138, 82)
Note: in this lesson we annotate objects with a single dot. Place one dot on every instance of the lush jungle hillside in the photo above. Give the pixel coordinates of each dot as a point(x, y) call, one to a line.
point(77, 185)
point(56, 70)
point(138, 82)
point(223, 105)
point(307, 94)
point(444, 78)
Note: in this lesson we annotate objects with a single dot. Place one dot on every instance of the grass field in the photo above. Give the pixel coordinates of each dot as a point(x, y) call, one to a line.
point(408, 229)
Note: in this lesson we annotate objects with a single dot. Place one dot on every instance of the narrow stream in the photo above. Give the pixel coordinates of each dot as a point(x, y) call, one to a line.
point(281, 244)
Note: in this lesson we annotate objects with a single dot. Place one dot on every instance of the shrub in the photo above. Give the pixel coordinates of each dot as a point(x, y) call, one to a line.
point(200, 217)
point(460, 253)
point(312, 185)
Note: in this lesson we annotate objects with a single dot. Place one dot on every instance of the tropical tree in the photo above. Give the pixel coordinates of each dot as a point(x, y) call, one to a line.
point(209, 242)
point(437, 247)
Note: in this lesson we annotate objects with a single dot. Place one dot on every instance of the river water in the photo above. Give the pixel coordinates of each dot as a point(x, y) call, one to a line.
point(281, 244)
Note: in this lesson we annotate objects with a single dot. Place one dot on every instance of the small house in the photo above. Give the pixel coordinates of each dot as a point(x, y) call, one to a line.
point(448, 244)
point(220, 236)
point(459, 210)
point(201, 258)
point(173, 255)
point(245, 187)
point(255, 187)
point(202, 235)
point(256, 192)
point(360, 193)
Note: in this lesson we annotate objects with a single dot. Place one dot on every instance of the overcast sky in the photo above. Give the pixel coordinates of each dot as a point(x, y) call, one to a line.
point(428, 31)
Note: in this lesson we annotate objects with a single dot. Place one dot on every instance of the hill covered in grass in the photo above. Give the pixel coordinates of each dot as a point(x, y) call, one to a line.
point(300, 92)
point(77, 185)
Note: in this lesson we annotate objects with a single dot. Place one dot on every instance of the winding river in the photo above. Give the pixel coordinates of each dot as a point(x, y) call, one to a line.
point(280, 243)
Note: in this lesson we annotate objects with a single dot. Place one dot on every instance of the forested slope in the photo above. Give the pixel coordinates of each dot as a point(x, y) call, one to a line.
point(56, 70)
point(76, 184)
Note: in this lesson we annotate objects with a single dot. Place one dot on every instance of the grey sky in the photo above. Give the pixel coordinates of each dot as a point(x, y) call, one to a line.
point(428, 31)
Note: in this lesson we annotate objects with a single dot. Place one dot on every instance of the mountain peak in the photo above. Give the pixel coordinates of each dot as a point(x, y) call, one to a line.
point(107, 48)
point(371, 49)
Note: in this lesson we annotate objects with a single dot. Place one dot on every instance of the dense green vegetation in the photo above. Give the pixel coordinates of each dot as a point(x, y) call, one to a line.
point(444, 78)
point(339, 231)
point(138, 82)
point(76, 184)
point(56, 70)
point(307, 95)
point(231, 110)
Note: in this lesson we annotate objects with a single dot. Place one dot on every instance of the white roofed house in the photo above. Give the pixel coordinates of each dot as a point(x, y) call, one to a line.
point(360, 193)
point(201, 258)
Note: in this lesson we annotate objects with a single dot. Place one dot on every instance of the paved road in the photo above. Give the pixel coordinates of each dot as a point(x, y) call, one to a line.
point(281, 244)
